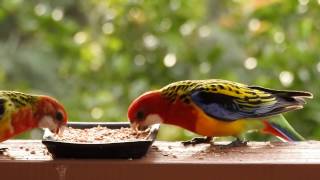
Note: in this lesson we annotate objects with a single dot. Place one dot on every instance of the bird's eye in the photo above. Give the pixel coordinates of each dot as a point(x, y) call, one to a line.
point(59, 116)
point(140, 115)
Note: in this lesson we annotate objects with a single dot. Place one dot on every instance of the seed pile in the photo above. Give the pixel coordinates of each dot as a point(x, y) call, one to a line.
point(101, 134)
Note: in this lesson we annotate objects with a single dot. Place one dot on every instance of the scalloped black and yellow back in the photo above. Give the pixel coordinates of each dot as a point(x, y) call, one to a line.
point(11, 100)
point(229, 101)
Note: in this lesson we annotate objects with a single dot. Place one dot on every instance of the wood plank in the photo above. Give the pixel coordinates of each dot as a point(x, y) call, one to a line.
point(263, 160)
point(175, 152)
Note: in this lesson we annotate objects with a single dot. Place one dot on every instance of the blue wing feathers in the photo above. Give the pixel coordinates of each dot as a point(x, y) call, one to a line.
point(230, 108)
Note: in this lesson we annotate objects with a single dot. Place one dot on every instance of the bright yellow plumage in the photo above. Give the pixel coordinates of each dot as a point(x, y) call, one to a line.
point(240, 92)
point(209, 126)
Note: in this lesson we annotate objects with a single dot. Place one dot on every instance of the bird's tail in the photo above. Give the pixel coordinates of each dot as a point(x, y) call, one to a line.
point(285, 93)
point(293, 98)
point(279, 126)
point(286, 100)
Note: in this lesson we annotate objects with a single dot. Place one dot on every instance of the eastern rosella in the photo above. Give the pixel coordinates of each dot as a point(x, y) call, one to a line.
point(21, 112)
point(214, 108)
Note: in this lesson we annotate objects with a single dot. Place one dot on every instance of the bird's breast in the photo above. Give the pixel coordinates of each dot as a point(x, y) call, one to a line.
point(210, 126)
point(192, 118)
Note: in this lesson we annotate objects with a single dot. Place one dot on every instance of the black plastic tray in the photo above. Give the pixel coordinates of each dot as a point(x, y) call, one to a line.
point(130, 149)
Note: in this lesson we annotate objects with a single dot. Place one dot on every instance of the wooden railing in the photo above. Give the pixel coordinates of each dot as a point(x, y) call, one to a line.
point(168, 160)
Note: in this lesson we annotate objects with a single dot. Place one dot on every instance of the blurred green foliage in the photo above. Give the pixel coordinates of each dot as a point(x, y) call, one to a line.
point(96, 56)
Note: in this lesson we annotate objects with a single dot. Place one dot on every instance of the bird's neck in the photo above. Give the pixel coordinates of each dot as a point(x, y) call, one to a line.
point(182, 115)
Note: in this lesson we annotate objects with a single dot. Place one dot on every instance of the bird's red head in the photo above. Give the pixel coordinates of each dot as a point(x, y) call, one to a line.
point(50, 114)
point(149, 108)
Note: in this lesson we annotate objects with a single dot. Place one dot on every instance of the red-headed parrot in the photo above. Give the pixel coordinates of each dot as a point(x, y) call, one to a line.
point(21, 112)
point(215, 108)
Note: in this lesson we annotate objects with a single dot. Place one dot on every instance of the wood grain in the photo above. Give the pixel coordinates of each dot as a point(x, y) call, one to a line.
point(258, 160)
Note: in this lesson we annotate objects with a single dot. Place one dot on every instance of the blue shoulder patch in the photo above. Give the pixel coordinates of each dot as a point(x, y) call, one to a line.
point(219, 106)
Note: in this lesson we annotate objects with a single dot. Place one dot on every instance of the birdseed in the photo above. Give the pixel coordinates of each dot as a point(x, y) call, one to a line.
point(101, 134)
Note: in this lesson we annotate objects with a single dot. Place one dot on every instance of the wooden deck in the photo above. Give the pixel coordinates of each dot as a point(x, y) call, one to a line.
point(169, 160)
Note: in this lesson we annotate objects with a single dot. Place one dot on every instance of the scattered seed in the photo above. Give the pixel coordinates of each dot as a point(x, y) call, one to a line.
point(155, 147)
point(165, 154)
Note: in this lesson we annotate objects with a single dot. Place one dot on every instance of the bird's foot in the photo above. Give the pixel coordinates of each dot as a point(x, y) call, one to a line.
point(235, 143)
point(2, 150)
point(197, 140)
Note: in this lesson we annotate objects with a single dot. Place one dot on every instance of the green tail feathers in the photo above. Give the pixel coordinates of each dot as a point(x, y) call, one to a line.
point(279, 126)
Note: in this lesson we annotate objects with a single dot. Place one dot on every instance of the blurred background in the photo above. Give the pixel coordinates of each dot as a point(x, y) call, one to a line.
point(97, 56)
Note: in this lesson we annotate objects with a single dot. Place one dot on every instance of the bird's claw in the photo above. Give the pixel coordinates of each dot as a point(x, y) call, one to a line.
point(197, 140)
point(235, 143)
point(2, 150)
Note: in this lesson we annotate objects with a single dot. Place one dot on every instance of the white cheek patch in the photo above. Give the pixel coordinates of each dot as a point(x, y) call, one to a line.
point(47, 122)
point(152, 119)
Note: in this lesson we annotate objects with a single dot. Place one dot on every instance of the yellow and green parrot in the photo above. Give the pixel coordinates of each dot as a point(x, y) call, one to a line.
point(21, 112)
point(215, 108)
